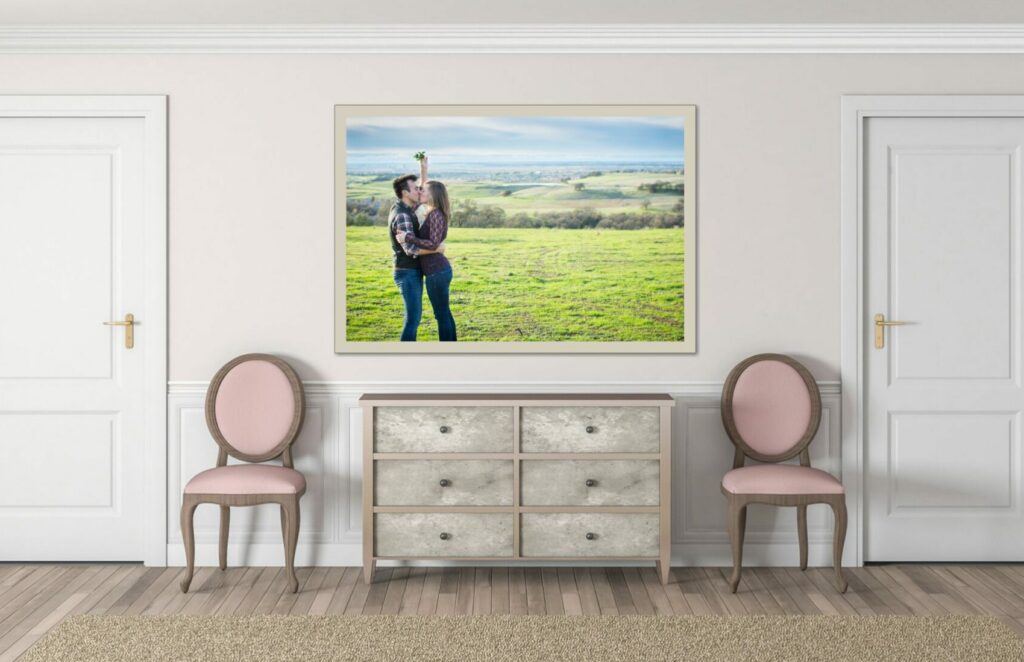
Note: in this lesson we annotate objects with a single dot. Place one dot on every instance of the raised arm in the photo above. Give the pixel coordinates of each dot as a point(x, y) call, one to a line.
point(423, 170)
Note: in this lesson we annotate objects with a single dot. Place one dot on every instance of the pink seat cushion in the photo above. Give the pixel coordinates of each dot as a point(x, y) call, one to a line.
point(247, 479)
point(780, 479)
point(771, 407)
point(255, 407)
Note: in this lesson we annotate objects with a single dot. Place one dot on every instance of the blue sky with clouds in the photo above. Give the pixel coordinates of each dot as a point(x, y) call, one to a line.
point(516, 138)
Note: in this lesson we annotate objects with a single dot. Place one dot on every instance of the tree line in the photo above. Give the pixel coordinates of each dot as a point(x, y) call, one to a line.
point(469, 214)
point(662, 187)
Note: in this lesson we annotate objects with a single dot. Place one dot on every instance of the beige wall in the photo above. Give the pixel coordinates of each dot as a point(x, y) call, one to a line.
point(251, 179)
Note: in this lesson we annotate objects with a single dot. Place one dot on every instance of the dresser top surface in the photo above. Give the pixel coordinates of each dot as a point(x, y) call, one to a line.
point(594, 399)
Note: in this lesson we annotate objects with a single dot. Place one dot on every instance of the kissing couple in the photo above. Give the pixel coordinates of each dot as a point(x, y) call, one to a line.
point(418, 250)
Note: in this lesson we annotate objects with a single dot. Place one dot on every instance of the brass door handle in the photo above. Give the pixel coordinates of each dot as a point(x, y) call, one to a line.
point(129, 331)
point(880, 324)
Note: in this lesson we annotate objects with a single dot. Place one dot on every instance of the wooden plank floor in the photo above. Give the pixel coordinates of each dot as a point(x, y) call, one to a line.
point(35, 598)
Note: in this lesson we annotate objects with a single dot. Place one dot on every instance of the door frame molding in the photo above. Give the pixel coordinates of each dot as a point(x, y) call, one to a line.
point(152, 109)
point(856, 110)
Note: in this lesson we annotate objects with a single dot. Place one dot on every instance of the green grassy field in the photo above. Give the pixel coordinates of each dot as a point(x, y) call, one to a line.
point(530, 285)
point(615, 192)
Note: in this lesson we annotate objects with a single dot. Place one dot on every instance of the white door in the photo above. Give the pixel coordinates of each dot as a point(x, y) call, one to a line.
point(944, 397)
point(73, 255)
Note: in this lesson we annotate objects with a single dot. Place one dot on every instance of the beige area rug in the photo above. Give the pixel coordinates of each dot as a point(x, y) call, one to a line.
point(527, 638)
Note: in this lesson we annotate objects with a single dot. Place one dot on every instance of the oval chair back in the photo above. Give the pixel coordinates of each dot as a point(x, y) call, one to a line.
point(771, 409)
point(255, 407)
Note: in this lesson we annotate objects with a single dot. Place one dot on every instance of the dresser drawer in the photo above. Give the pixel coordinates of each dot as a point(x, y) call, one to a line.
point(565, 534)
point(443, 482)
point(590, 483)
point(443, 534)
point(591, 429)
point(442, 430)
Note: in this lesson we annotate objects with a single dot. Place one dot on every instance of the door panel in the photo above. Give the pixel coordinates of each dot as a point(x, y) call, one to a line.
point(69, 456)
point(952, 271)
point(951, 461)
point(943, 204)
point(71, 279)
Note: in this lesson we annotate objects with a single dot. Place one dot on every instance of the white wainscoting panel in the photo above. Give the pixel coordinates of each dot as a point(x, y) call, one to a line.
point(329, 453)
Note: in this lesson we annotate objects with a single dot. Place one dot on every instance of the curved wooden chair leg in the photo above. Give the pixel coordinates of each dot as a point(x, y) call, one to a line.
point(838, 539)
point(188, 509)
point(737, 529)
point(225, 524)
point(801, 529)
point(291, 517)
point(742, 539)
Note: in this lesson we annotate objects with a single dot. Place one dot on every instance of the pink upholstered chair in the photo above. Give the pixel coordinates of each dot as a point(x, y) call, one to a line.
point(254, 410)
point(771, 409)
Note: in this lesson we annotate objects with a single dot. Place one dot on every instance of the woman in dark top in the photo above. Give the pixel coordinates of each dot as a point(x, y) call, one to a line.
point(437, 271)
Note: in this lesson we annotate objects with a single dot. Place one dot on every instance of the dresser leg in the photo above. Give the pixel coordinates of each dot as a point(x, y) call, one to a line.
point(663, 567)
point(369, 567)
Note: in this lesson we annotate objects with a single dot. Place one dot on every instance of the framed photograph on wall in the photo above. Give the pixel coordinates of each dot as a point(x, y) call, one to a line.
point(536, 229)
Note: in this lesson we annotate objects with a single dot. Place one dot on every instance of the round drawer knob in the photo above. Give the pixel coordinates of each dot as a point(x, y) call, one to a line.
point(591, 482)
point(591, 429)
point(445, 536)
point(591, 536)
point(445, 482)
point(445, 429)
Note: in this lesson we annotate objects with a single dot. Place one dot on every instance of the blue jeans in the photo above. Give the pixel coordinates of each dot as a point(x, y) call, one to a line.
point(410, 284)
point(438, 285)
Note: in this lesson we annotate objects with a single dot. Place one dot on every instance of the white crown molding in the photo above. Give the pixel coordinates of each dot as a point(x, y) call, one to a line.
point(516, 38)
point(355, 389)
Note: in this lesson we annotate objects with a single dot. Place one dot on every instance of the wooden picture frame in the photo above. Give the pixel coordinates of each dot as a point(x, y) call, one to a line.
point(345, 342)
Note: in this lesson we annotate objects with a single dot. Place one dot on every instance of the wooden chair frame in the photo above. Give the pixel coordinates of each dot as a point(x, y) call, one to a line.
point(288, 503)
point(737, 503)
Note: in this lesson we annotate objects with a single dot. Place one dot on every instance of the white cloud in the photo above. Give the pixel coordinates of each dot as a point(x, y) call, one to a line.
point(509, 126)
point(668, 121)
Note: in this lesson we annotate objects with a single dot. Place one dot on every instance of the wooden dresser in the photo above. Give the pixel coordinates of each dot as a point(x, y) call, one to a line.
point(517, 477)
